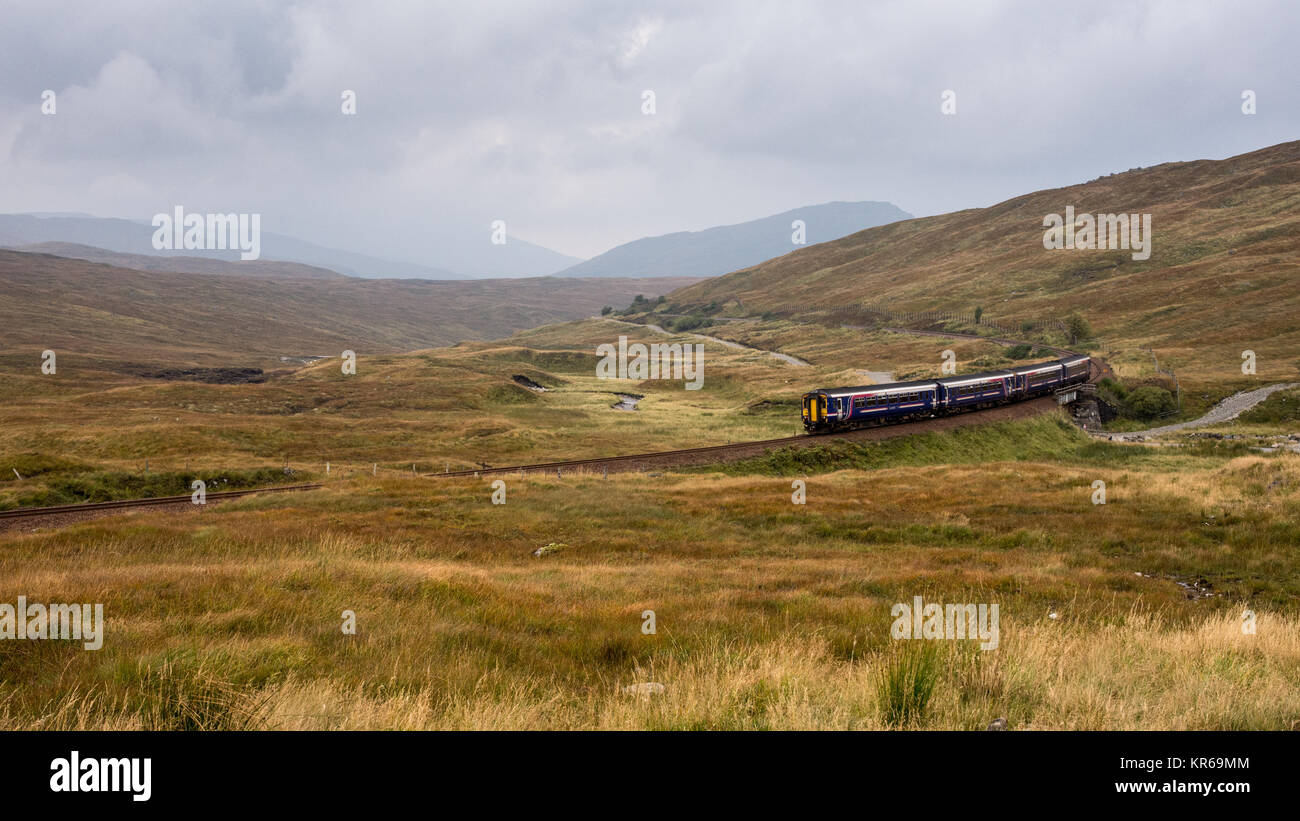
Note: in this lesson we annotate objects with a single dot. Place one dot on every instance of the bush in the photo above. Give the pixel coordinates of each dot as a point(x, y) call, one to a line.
point(1150, 400)
point(686, 323)
point(1077, 327)
point(1115, 388)
point(607, 310)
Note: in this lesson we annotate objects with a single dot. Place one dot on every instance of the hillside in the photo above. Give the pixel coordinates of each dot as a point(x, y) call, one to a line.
point(1221, 277)
point(728, 247)
point(121, 315)
point(183, 265)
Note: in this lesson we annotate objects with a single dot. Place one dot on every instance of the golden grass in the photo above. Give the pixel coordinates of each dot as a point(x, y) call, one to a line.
point(1141, 674)
point(769, 615)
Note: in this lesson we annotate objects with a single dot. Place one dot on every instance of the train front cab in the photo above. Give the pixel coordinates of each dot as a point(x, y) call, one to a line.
point(814, 411)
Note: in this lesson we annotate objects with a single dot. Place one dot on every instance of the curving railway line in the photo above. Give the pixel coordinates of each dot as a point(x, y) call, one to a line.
point(683, 457)
point(742, 450)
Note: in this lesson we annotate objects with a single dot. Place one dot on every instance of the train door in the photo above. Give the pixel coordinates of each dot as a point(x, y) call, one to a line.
point(814, 408)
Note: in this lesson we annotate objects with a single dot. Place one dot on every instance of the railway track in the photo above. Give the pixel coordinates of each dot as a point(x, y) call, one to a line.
point(633, 461)
point(684, 456)
point(119, 504)
point(739, 450)
point(546, 467)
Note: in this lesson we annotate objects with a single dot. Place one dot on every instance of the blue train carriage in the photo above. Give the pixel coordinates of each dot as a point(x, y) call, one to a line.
point(1075, 369)
point(831, 408)
point(976, 390)
point(1034, 380)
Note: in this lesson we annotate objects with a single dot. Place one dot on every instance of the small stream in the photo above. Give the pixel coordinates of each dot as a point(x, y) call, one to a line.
point(626, 402)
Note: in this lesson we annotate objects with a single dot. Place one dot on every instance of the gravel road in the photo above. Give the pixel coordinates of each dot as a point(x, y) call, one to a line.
point(1229, 408)
point(784, 357)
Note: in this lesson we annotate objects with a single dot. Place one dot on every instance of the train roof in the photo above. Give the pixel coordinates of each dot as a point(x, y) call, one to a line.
point(949, 380)
point(887, 386)
point(973, 377)
point(1054, 363)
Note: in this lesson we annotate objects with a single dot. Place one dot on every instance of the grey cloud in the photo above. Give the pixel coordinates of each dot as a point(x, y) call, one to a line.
point(531, 112)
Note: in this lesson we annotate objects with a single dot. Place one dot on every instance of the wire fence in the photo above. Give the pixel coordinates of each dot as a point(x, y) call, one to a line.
point(972, 318)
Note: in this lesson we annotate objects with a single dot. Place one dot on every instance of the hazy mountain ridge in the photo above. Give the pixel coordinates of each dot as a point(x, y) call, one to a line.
point(514, 259)
point(726, 248)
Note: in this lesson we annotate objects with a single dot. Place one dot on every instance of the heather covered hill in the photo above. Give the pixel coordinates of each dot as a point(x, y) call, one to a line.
point(123, 315)
point(1221, 276)
point(183, 265)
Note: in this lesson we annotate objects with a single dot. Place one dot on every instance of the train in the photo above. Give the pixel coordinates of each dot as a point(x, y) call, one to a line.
point(835, 409)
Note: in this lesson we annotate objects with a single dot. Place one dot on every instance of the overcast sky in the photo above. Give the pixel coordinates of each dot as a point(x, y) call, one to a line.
point(532, 112)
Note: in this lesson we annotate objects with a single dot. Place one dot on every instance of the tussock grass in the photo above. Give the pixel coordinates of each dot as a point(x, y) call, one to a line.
point(1141, 672)
point(770, 615)
point(905, 684)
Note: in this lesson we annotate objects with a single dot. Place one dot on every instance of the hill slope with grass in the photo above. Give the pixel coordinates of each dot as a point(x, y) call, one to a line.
point(1221, 277)
point(119, 314)
point(183, 265)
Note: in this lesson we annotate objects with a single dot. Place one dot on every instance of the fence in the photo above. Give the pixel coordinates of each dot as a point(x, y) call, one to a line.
point(1178, 389)
point(968, 318)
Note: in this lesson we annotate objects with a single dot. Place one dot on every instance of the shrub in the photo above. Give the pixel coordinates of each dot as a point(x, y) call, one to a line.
point(1077, 327)
point(1150, 400)
point(686, 323)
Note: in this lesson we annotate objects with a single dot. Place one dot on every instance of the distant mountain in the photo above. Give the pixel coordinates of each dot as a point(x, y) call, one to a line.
point(727, 248)
point(516, 258)
point(183, 265)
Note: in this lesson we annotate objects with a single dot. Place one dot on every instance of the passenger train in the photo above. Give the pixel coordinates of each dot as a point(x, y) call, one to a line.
point(833, 409)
